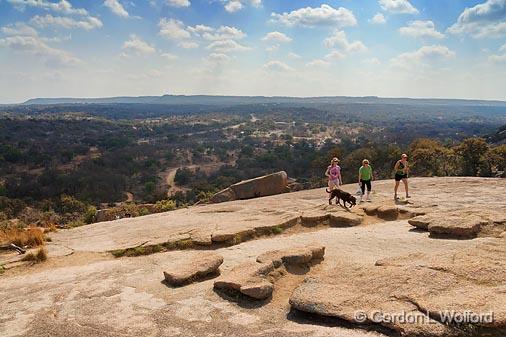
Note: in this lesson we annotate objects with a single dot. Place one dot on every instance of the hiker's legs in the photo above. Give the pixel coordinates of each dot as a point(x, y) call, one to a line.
point(368, 184)
point(396, 187)
point(405, 181)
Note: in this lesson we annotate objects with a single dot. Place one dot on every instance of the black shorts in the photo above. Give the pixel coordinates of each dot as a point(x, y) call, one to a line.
point(363, 184)
point(399, 177)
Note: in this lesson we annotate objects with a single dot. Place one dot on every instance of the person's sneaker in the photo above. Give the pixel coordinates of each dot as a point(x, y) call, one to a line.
point(369, 200)
point(396, 198)
point(408, 196)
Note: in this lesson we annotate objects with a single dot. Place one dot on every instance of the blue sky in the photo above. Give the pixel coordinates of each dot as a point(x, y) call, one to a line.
point(391, 48)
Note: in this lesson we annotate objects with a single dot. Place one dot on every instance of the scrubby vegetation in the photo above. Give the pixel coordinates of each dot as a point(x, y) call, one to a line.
point(59, 164)
point(38, 257)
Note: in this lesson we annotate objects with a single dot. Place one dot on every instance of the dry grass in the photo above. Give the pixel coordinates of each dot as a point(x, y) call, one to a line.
point(38, 257)
point(31, 237)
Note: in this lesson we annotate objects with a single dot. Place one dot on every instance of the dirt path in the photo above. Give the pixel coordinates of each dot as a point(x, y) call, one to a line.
point(170, 174)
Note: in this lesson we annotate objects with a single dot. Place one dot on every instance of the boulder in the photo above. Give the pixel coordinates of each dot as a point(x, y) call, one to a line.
point(223, 196)
point(193, 268)
point(270, 184)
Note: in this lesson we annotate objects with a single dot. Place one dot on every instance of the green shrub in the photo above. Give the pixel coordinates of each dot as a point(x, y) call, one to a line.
point(89, 215)
point(165, 205)
point(277, 230)
point(143, 211)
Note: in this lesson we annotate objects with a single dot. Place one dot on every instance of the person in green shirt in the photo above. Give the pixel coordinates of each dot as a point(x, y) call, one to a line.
point(365, 177)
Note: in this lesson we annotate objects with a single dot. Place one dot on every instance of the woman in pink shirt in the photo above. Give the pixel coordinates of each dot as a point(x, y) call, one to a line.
point(334, 174)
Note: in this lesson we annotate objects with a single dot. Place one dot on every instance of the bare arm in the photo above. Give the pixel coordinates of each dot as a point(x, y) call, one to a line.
point(327, 173)
point(396, 167)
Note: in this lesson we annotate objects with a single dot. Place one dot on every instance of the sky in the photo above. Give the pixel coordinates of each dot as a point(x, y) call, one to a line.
point(388, 48)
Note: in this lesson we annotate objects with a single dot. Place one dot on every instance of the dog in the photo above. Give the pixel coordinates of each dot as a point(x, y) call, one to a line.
point(342, 195)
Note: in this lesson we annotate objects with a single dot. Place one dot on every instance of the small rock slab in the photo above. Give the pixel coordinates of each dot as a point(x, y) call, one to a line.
point(345, 219)
point(255, 279)
point(387, 212)
point(192, 269)
point(292, 256)
point(249, 279)
point(461, 224)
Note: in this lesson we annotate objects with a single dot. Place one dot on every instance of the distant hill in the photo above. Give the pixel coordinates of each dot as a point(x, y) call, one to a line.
point(239, 100)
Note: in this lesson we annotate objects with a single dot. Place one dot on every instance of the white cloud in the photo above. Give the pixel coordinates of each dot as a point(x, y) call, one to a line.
point(378, 19)
point(272, 48)
point(277, 66)
point(173, 29)
point(483, 20)
point(398, 6)
point(224, 33)
point(169, 56)
point(117, 8)
point(34, 46)
point(421, 29)
point(138, 46)
point(318, 63)
point(225, 46)
point(200, 29)
point(294, 56)
point(276, 37)
point(334, 55)
point(233, 6)
point(188, 44)
point(217, 58)
point(179, 3)
point(340, 40)
point(497, 58)
point(62, 6)
point(324, 15)
point(372, 61)
point(86, 23)
point(19, 28)
point(425, 54)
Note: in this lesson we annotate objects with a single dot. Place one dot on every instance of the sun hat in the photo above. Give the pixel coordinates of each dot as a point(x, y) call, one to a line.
point(335, 160)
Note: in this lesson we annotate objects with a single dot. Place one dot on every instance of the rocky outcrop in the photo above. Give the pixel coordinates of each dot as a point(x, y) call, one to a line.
point(270, 184)
point(429, 287)
point(256, 279)
point(195, 267)
point(463, 223)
